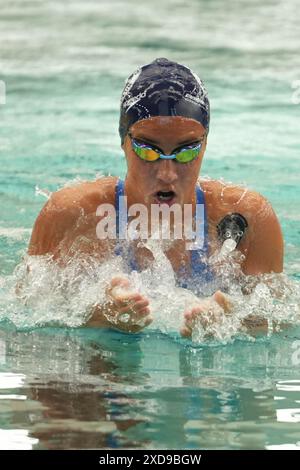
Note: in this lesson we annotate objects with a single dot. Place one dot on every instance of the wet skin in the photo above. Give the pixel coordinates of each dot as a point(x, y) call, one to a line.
point(66, 225)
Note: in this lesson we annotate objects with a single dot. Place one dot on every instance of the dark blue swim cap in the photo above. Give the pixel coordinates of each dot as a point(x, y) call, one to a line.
point(163, 88)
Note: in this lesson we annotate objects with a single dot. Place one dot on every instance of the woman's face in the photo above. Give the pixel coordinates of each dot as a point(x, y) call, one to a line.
point(150, 180)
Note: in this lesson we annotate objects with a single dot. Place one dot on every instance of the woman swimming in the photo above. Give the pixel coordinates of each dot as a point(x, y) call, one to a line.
point(164, 124)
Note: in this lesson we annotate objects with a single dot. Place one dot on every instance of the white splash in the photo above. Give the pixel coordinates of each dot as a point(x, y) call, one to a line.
point(41, 293)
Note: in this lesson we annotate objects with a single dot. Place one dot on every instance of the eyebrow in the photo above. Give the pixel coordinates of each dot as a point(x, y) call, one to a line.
point(146, 140)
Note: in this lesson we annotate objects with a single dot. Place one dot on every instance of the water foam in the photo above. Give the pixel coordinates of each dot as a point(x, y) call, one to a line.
point(41, 293)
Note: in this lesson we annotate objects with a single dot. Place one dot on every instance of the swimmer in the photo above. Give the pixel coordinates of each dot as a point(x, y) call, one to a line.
point(164, 126)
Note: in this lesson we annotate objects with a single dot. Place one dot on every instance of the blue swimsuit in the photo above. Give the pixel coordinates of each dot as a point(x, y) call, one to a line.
point(199, 274)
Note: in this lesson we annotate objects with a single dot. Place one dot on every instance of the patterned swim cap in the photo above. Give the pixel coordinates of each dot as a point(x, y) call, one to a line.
point(163, 88)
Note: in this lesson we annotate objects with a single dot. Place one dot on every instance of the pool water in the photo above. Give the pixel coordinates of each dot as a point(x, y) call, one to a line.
point(64, 67)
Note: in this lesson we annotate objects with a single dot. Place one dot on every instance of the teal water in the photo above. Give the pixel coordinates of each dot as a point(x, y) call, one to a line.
point(64, 66)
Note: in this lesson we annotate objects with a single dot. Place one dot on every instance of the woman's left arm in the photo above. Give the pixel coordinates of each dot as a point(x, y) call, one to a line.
point(263, 251)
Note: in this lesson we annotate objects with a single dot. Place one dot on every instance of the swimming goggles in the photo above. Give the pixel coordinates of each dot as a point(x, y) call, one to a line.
point(150, 154)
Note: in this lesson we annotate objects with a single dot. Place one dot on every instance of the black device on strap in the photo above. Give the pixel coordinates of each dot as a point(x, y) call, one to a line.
point(232, 226)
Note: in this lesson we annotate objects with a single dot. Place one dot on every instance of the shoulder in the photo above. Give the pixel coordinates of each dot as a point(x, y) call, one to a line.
point(263, 242)
point(86, 195)
point(223, 198)
point(65, 208)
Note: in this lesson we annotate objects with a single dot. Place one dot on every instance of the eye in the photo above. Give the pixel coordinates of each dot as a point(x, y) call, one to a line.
point(148, 145)
point(188, 145)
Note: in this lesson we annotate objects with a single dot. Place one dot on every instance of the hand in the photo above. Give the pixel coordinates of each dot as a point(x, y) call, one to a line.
point(206, 313)
point(126, 308)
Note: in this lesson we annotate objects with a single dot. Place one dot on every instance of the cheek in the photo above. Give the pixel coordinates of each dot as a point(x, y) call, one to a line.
point(139, 168)
point(188, 173)
point(195, 168)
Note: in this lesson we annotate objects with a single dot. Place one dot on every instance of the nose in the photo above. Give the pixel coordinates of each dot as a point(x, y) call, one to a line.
point(166, 172)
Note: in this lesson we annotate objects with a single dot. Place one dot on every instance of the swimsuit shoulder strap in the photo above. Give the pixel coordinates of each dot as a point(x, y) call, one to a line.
point(119, 250)
point(119, 193)
point(198, 257)
point(200, 197)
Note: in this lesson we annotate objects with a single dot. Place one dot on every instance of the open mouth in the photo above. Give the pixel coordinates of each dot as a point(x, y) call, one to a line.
point(165, 196)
